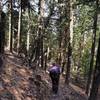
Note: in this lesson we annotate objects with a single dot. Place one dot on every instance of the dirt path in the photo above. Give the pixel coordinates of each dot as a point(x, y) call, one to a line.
point(17, 82)
point(65, 92)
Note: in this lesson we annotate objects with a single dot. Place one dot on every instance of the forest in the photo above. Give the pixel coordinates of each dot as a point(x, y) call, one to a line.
point(34, 34)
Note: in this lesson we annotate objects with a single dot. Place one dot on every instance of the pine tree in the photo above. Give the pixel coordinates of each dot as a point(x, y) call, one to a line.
point(10, 6)
point(92, 49)
point(69, 32)
point(19, 27)
point(96, 78)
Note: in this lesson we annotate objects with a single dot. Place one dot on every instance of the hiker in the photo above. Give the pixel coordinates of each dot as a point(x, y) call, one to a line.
point(55, 75)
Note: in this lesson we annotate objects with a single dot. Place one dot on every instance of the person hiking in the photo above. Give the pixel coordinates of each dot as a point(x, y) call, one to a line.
point(54, 73)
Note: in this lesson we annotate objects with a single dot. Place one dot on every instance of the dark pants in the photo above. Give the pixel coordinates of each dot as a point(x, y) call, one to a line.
point(55, 81)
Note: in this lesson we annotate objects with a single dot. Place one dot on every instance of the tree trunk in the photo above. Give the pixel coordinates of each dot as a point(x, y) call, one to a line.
point(28, 33)
point(70, 39)
point(41, 30)
point(68, 63)
point(2, 30)
point(45, 59)
point(28, 41)
point(19, 28)
point(92, 51)
point(60, 33)
point(10, 26)
point(96, 78)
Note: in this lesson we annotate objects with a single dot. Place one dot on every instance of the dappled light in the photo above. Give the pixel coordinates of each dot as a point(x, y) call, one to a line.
point(22, 85)
point(49, 49)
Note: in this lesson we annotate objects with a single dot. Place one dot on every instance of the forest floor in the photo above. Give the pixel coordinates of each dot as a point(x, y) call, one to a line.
point(18, 82)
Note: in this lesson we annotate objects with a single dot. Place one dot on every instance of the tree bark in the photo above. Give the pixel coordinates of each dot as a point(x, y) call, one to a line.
point(19, 28)
point(41, 30)
point(28, 33)
point(96, 78)
point(2, 29)
point(92, 50)
point(70, 39)
point(10, 26)
point(60, 36)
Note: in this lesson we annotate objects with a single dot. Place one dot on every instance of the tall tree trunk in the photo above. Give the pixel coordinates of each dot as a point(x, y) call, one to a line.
point(10, 26)
point(40, 30)
point(96, 78)
point(19, 27)
point(28, 33)
point(92, 50)
point(45, 59)
point(2, 29)
point(68, 63)
point(70, 37)
point(42, 24)
point(28, 41)
point(60, 33)
point(2, 32)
